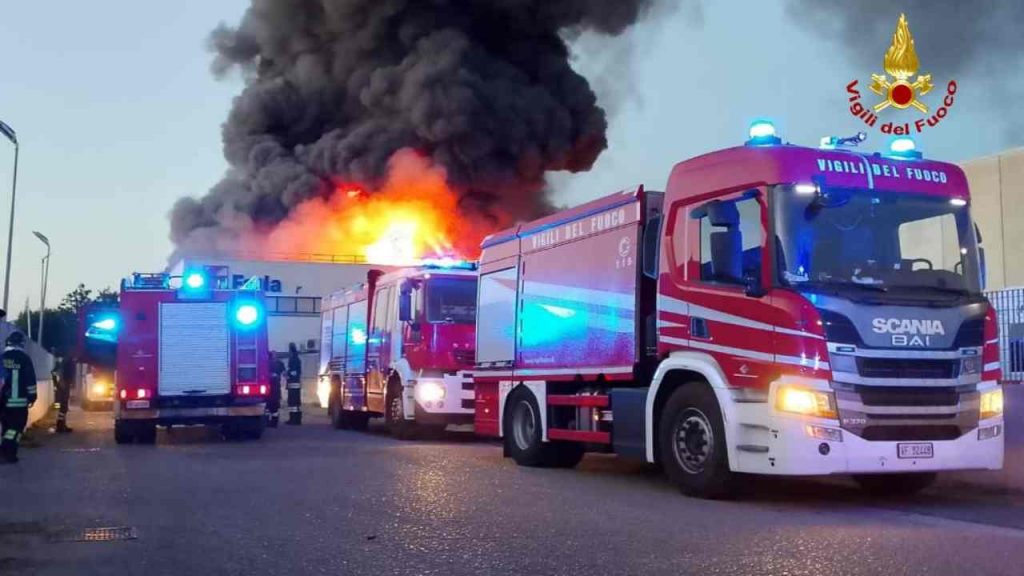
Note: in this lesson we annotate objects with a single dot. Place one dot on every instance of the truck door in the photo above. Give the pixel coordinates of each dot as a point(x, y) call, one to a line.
point(718, 248)
point(378, 350)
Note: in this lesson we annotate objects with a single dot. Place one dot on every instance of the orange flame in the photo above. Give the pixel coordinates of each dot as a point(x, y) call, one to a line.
point(414, 215)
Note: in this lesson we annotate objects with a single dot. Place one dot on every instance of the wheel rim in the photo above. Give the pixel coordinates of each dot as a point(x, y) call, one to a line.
point(524, 425)
point(694, 441)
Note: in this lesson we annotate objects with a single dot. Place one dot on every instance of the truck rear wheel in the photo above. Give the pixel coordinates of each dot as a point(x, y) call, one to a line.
point(146, 434)
point(692, 443)
point(524, 436)
point(339, 418)
point(895, 485)
point(124, 433)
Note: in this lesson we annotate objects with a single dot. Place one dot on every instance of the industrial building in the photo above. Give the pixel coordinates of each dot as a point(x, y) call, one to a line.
point(997, 200)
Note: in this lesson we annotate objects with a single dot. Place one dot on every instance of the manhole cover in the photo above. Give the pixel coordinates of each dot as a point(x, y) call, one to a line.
point(99, 535)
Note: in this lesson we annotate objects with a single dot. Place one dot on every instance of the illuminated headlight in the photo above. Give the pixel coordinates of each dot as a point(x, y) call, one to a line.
point(970, 365)
point(99, 388)
point(806, 402)
point(429, 391)
point(991, 403)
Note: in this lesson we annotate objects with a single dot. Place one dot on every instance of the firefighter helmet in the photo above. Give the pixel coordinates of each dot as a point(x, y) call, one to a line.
point(16, 338)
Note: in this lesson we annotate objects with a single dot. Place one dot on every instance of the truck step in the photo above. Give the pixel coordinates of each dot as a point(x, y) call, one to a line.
point(579, 401)
point(579, 436)
point(752, 448)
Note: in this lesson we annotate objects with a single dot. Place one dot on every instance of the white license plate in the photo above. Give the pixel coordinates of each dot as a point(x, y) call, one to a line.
point(916, 450)
point(137, 404)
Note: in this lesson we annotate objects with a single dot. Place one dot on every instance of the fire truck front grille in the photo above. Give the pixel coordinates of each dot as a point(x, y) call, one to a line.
point(907, 396)
point(910, 433)
point(894, 413)
point(941, 369)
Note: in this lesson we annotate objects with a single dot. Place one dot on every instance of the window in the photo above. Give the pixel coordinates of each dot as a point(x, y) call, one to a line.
point(497, 309)
point(731, 236)
point(451, 300)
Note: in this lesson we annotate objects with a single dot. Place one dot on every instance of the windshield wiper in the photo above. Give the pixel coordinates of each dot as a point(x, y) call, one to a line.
point(836, 286)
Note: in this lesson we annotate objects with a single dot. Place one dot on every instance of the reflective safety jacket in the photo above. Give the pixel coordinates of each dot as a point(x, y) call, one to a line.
point(294, 371)
point(19, 388)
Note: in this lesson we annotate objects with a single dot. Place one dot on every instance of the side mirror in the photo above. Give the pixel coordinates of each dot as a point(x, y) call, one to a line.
point(405, 306)
point(752, 287)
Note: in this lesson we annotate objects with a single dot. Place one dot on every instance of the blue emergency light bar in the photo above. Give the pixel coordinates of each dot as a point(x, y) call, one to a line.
point(762, 133)
point(904, 147)
point(448, 263)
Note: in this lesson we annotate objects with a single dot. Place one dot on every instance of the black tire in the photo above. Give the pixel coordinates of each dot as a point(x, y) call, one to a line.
point(339, 418)
point(146, 434)
point(692, 443)
point(124, 433)
point(358, 421)
point(524, 434)
point(895, 485)
point(253, 428)
point(400, 428)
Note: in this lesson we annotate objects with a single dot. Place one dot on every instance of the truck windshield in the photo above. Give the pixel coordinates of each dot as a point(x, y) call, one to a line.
point(451, 300)
point(875, 241)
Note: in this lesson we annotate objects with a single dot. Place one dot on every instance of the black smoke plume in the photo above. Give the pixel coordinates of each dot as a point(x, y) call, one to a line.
point(334, 88)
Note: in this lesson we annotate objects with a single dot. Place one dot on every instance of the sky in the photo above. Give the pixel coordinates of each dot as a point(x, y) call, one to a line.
point(118, 115)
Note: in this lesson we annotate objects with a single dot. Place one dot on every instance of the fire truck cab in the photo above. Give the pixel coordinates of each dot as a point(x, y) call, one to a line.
point(400, 346)
point(190, 352)
point(778, 310)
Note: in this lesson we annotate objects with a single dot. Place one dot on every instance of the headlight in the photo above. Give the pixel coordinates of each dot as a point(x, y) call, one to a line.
point(429, 391)
point(99, 388)
point(991, 403)
point(806, 402)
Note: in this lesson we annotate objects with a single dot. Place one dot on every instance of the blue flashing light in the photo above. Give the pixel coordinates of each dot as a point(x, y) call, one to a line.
point(448, 262)
point(105, 324)
point(903, 147)
point(762, 133)
point(247, 314)
point(195, 281)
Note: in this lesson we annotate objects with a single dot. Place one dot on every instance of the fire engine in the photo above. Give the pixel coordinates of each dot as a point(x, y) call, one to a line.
point(778, 310)
point(95, 356)
point(400, 346)
point(190, 351)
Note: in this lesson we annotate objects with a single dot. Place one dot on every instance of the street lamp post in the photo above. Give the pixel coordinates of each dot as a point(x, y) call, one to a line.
point(46, 279)
point(9, 133)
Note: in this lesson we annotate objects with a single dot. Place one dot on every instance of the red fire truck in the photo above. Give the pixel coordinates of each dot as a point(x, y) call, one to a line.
point(400, 346)
point(189, 352)
point(778, 310)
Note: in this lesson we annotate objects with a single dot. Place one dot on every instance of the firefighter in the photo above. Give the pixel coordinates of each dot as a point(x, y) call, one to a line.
point(274, 401)
point(17, 396)
point(63, 379)
point(294, 386)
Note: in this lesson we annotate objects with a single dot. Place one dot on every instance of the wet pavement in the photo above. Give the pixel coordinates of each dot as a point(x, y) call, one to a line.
point(313, 500)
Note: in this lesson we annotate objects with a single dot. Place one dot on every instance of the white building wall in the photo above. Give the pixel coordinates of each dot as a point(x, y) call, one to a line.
point(997, 201)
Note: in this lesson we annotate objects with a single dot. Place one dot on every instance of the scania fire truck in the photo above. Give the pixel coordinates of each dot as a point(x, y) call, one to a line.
point(777, 310)
point(400, 346)
point(190, 351)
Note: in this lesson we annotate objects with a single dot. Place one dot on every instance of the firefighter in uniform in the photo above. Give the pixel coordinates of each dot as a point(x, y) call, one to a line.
point(17, 396)
point(274, 401)
point(294, 386)
point(63, 379)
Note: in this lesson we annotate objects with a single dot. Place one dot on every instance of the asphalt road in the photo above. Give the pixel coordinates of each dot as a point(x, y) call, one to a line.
point(313, 500)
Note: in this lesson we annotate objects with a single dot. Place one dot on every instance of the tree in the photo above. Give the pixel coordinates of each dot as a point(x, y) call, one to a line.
point(79, 298)
point(61, 332)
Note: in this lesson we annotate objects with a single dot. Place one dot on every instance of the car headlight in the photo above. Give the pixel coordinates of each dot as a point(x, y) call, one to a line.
point(429, 391)
point(991, 403)
point(806, 402)
point(99, 388)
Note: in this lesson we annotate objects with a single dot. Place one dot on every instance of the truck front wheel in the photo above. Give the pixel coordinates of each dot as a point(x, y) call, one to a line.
point(692, 443)
point(401, 428)
point(339, 417)
point(895, 485)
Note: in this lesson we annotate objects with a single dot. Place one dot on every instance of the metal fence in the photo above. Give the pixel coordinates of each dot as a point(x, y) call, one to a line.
point(1009, 305)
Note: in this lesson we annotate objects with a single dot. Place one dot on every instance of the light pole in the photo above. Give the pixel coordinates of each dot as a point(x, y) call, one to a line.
point(46, 279)
point(9, 133)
